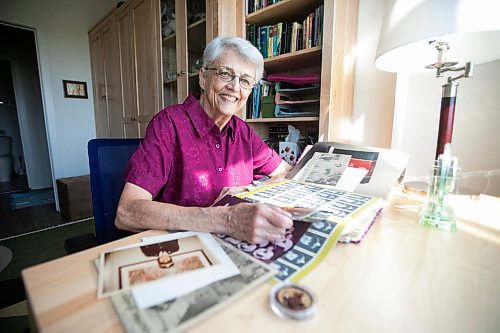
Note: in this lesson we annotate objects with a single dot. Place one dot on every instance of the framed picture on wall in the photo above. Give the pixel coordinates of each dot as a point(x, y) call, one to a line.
point(75, 89)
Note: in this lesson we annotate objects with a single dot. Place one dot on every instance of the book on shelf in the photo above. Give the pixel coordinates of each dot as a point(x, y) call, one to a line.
point(255, 5)
point(255, 102)
point(284, 37)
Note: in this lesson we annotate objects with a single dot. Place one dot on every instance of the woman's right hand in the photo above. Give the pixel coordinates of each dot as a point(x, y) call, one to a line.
point(258, 223)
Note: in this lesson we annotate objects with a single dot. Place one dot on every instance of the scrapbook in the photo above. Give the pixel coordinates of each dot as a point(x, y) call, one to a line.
point(323, 197)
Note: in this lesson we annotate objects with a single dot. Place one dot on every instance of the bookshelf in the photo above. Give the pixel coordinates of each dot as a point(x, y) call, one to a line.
point(282, 10)
point(332, 60)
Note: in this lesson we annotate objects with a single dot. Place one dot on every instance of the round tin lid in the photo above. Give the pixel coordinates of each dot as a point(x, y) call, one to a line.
point(292, 301)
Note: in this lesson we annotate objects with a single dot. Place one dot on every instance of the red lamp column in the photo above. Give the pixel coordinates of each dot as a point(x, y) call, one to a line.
point(447, 116)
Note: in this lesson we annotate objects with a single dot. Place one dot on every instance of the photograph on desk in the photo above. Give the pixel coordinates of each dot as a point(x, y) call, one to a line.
point(189, 309)
point(174, 263)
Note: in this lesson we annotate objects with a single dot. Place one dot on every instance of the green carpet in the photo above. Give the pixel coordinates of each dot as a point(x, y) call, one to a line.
point(39, 247)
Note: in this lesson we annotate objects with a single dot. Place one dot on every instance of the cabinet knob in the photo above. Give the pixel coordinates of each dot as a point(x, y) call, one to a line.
point(181, 73)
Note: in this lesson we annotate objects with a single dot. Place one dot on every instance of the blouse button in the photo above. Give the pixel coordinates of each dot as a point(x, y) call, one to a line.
point(220, 169)
point(217, 146)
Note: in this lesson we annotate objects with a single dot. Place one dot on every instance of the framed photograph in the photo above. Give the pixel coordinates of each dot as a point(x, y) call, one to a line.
point(75, 89)
point(131, 274)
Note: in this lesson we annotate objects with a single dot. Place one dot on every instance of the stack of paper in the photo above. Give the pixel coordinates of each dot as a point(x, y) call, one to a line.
point(163, 268)
point(187, 310)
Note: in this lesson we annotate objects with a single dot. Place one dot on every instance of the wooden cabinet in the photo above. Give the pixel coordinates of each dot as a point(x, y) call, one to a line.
point(184, 35)
point(136, 71)
point(125, 60)
point(140, 59)
point(106, 79)
point(333, 60)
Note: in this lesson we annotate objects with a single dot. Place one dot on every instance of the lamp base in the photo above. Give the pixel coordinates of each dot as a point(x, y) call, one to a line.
point(418, 188)
point(438, 215)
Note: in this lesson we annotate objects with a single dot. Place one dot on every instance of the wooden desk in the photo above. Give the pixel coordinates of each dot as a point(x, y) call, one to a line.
point(401, 278)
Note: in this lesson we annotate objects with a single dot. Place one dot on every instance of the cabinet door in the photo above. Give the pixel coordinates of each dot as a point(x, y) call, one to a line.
point(99, 85)
point(196, 17)
point(125, 22)
point(168, 27)
point(112, 76)
point(128, 73)
point(147, 62)
point(140, 65)
point(184, 36)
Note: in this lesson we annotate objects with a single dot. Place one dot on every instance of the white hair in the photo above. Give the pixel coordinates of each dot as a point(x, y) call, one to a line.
point(244, 48)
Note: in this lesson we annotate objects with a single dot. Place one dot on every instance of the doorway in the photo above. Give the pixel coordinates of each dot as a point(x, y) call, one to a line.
point(21, 111)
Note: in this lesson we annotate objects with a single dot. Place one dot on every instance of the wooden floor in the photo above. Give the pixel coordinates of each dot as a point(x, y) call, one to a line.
point(14, 222)
point(16, 184)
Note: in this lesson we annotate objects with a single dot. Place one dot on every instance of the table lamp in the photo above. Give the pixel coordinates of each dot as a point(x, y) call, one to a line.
point(447, 37)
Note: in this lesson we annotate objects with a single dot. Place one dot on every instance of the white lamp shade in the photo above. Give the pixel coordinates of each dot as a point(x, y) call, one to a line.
point(471, 28)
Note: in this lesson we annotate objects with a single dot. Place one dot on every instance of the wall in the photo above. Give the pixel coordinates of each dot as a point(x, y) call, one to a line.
point(415, 101)
point(373, 89)
point(63, 51)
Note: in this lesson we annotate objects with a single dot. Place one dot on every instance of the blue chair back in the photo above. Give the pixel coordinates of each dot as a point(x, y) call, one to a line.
point(108, 160)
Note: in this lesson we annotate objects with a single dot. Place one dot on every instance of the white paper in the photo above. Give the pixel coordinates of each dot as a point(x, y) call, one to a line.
point(324, 168)
point(159, 291)
point(389, 167)
point(351, 178)
point(355, 230)
point(135, 267)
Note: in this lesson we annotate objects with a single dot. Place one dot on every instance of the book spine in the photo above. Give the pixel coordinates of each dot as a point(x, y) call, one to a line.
point(295, 31)
point(263, 41)
point(283, 43)
point(304, 33)
point(315, 27)
point(288, 44)
point(257, 38)
point(276, 39)
point(309, 37)
point(270, 41)
point(300, 37)
point(321, 21)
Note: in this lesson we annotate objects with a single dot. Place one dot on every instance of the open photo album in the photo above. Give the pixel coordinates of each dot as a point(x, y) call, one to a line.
point(334, 193)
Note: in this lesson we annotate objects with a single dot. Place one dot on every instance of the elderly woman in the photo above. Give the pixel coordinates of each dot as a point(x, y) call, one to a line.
point(195, 152)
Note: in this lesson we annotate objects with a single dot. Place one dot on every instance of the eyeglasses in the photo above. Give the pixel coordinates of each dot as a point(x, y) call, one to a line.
point(226, 74)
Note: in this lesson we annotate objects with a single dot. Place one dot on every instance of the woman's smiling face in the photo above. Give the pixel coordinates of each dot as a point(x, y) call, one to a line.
point(221, 99)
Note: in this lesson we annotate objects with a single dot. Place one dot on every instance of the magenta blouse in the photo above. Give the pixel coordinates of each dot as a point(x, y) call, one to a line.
point(186, 160)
